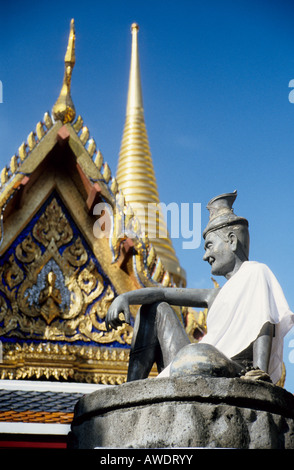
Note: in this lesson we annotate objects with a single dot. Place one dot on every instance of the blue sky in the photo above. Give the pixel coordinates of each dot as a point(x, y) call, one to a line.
point(215, 78)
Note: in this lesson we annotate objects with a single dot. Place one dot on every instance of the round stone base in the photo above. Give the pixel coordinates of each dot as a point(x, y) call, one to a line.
point(185, 412)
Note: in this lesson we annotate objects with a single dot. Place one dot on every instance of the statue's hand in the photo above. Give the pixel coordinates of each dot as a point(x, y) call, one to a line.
point(114, 317)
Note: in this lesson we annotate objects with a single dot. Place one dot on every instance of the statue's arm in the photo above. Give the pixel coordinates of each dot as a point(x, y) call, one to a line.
point(149, 295)
point(262, 347)
point(201, 298)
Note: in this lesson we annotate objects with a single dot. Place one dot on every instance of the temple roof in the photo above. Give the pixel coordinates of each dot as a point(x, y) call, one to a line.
point(57, 277)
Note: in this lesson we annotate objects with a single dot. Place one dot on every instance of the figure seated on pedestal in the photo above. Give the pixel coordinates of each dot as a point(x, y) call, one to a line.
point(247, 318)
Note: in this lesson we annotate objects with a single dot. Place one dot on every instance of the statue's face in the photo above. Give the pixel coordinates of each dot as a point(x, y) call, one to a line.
point(219, 253)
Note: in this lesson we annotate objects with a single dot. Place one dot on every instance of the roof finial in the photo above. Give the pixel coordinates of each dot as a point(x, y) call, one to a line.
point(135, 100)
point(64, 109)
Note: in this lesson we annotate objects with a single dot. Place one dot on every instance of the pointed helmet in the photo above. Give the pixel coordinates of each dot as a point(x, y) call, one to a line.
point(221, 213)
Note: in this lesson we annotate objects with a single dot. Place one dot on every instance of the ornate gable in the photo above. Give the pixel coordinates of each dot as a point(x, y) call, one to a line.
point(53, 287)
point(57, 279)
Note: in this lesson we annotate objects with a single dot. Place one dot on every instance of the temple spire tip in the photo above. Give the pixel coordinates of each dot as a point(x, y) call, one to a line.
point(135, 100)
point(64, 110)
point(70, 51)
point(135, 27)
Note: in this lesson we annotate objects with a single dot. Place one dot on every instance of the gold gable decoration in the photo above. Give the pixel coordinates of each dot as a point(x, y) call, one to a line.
point(71, 362)
point(44, 309)
point(48, 301)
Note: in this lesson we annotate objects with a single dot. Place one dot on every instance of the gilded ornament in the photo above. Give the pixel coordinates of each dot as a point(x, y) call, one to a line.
point(64, 110)
point(106, 172)
point(67, 362)
point(47, 120)
point(91, 147)
point(40, 130)
point(22, 151)
point(31, 140)
point(76, 253)
point(53, 225)
point(27, 251)
point(114, 185)
point(54, 296)
point(50, 299)
point(84, 135)
point(4, 176)
point(151, 258)
point(90, 282)
point(12, 274)
point(78, 124)
point(98, 312)
point(13, 164)
point(99, 160)
point(135, 171)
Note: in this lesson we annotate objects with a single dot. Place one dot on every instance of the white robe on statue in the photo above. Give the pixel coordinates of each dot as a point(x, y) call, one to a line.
point(245, 303)
point(251, 298)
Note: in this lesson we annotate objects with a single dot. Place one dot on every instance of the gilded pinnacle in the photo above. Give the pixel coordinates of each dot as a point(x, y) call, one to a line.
point(135, 171)
point(64, 109)
point(70, 58)
point(135, 26)
point(135, 99)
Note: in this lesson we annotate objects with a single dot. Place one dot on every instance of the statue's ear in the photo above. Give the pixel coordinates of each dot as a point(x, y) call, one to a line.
point(233, 240)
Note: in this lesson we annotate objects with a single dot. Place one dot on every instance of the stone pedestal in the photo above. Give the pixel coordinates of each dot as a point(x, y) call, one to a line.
point(185, 412)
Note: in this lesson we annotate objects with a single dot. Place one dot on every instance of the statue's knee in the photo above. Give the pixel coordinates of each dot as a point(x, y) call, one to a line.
point(154, 308)
point(163, 307)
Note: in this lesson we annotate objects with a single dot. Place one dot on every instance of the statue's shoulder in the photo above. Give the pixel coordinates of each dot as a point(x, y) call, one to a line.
point(257, 270)
point(256, 266)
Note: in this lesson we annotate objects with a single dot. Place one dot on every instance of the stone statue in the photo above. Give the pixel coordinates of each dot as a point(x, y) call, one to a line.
point(247, 318)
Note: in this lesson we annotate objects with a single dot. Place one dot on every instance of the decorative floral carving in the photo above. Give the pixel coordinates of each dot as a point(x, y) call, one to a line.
point(55, 287)
point(12, 274)
point(53, 225)
point(76, 253)
point(27, 251)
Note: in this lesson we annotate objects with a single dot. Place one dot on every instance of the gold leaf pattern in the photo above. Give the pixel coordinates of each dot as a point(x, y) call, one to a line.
point(53, 225)
point(56, 295)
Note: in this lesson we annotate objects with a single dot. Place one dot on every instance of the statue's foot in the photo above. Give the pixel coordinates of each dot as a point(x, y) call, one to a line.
point(254, 373)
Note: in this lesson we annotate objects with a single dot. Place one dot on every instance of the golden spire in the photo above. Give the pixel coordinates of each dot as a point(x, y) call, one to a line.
point(135, 100)
point(135, 172)
point(64, 109)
